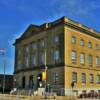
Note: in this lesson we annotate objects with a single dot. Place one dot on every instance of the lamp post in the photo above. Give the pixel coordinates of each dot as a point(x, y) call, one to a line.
point(72, 85)
point(2, 51)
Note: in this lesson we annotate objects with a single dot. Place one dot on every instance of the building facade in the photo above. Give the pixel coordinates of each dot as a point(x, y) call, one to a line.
point(68, 50)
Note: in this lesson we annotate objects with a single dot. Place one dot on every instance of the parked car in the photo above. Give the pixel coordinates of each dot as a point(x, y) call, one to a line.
point(83, 95)
point(90, 95)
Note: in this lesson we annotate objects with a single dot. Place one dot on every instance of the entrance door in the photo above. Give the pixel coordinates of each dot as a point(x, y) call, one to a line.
point(31, 84)
point(23, 82)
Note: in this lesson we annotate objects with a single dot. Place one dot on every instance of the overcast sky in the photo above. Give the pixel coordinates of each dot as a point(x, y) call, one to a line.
point(16, 15)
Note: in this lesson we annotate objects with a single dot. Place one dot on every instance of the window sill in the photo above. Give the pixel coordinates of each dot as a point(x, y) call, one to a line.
point(97, 66)
point(91, 65)
point(82, 64)
point(74, 62)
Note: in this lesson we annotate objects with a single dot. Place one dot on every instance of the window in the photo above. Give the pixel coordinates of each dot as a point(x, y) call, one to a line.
point(34, 54)
point(90, 59)
point(74, 56)
point(89, 45)
point(74, 77)
point(98, 79)
point(83, 78)
point(56, 39)
point(81, 42)
point(56, 55)
point(97, 60)
point(42, 58)
point(91, 78)
point(97, 47)
point(34, 46)
point(34, 60)
point(82, 58)
point(27, 56)
point(73, 39)
point(31, 81)
point(42, 44)
point(55, 77)
point(19, 60)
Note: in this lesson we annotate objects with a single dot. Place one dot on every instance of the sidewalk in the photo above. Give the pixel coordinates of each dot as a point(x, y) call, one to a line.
point(12, 97)
point(51, 98)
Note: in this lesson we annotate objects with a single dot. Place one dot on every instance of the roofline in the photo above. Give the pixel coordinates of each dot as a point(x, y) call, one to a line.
point(69, 22)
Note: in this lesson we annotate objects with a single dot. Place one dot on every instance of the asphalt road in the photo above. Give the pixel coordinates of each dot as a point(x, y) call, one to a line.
point(8, 97)
point(5, 97)
point(88, 99)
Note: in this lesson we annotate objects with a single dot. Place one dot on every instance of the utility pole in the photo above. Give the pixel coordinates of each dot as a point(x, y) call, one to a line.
point(45, 68)
point(2, 51)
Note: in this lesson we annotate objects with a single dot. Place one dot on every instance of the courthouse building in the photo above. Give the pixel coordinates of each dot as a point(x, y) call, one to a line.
point(69, 50)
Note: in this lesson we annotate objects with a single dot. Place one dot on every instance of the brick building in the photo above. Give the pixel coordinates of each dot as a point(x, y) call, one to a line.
point(70, 50)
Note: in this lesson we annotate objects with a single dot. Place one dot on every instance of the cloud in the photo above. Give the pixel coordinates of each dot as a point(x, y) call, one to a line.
point(13, 38)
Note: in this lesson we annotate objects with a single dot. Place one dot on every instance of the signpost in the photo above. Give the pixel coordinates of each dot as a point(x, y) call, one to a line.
point(2, 51)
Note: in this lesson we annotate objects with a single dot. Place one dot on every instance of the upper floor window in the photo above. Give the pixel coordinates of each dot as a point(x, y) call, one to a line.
point(42, 58)
point(97, 60)
point(27, 55)
point(74, 56)
point(56, 55)
point(81, 42)
point(42, 44)
point(74, 77)
point(19, 64)
point(98, 79)
point(89, 45)
point(55, 77)
point(90, 59)
point(83, 78)
point(34, 46)
point(34, 59)
point(97, 47)
point(73, 39)
point(91, 78)
point(82, 58)
point(56, 39)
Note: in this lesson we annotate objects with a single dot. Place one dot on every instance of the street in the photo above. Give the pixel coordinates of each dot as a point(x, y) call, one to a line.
point(88, 99)
point(9, 97)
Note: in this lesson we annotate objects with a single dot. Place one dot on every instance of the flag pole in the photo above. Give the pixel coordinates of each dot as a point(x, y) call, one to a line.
point(45, 70)
point(4, 73)
point(3, 62)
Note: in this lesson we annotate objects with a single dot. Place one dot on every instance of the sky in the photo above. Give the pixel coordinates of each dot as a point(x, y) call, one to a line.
point(17, 15)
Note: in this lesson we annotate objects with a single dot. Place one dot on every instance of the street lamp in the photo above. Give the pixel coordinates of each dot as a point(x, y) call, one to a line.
point(72, 85)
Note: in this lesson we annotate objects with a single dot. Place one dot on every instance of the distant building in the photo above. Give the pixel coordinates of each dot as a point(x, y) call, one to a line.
point(70, 50)
point(8, 82)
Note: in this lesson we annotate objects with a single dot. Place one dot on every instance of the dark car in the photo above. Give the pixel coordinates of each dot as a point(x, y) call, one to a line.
point(92, 95)
point(83, 95)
